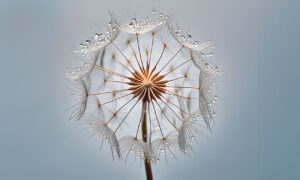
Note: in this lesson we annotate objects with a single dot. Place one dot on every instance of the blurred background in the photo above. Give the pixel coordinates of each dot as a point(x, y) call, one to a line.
point(256, 130)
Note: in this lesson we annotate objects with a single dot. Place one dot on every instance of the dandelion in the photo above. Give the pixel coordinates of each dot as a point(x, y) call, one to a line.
point(146, 88)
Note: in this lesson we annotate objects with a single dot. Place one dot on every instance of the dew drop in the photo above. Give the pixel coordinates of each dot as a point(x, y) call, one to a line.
point(87, 41)
point(96, 36)
point(188, 37)
point(153, 11)
point(209, 54)
point(192, 138)
point(183, 38)
point(133, 20)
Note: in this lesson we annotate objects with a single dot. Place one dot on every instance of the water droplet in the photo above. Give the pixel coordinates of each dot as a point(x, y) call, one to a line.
point(87, 41)
point(133, 20)
point(216, 97)
point(209, 54)
point(192, 138)
point(81, 45)
point(214, 114)
point(182, 37)
point(153, 11)
point(96, 36)
point(188, 37)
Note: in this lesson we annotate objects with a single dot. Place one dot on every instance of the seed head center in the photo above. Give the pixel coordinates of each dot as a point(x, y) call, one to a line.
point(147, 85)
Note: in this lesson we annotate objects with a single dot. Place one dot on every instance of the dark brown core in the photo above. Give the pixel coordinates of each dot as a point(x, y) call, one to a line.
point(147, 85)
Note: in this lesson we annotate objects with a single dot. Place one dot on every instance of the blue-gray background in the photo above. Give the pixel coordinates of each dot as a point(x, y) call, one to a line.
point(257, 131)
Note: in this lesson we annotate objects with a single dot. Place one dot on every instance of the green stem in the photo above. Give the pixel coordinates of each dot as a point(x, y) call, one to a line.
point(144, 134)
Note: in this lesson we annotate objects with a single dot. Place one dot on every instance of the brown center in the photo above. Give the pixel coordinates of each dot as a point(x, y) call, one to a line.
point(147, 85)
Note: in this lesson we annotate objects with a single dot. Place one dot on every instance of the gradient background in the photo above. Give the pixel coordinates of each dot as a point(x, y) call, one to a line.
point(257, 131)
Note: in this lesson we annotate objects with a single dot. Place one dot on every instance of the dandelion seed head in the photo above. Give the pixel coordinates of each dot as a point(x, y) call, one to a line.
point(140, 68)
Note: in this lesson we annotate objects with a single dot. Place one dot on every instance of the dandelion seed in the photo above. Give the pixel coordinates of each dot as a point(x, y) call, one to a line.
point(80, 106)
point(163, 146)
point(100, 127)
point(207, 77)
point(132, 145)
point(81, 72)
point(186, 135)
point(146, 25)
point(186, 40)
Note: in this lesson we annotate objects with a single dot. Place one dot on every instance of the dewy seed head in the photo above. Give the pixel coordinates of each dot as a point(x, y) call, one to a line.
point(150, 68)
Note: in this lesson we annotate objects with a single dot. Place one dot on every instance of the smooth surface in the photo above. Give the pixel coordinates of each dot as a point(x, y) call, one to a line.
point(257, 130)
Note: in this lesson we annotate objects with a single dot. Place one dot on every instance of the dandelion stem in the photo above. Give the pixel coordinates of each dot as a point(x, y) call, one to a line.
point(144, 134)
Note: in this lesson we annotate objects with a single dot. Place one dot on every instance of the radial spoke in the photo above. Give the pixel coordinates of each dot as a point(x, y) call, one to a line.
point(175, 94)
point(181, 106)
point(178, 66)
point(142, 117)
point(176, 78)
point(126, 115)
point(115, 99)
point(134, 54)
point(174, 104)
point(120, 109)
point(171, 110)
point(138, 43)
point(115, 58)
point(166, 116)
point(162, 52)
point(157, 120)
point(108, 92)
point(124, 56)
point(111, 72)
point(171, 59)
point(151, 49)
point(189, 87)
